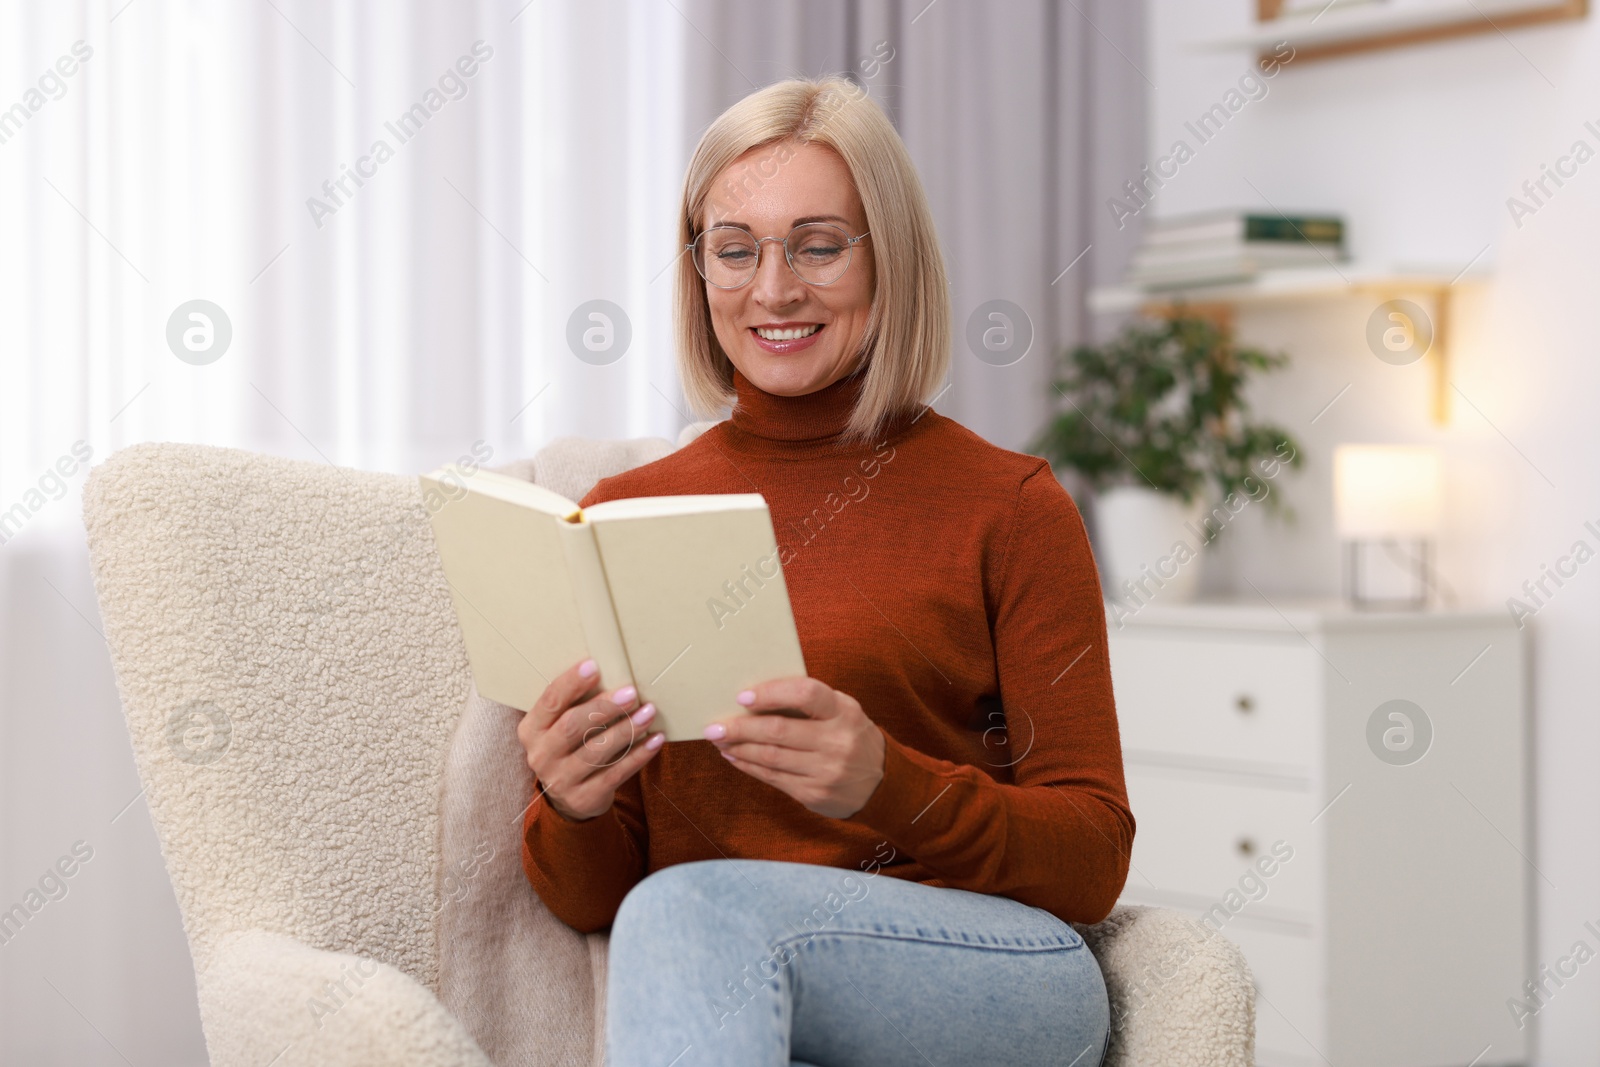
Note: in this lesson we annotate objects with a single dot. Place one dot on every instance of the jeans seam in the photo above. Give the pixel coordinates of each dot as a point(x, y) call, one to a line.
point(884, 935)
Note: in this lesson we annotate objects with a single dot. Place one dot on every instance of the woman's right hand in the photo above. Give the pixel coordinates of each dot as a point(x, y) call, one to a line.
point(583, 744)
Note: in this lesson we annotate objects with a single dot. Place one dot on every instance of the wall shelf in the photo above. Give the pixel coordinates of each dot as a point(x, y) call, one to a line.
point(1381, 283)
point(1273, 285)
point(1320, 32)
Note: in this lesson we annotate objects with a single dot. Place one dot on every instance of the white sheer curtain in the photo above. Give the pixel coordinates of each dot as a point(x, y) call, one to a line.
point(208, 151)
point(389, 324)
point(429, 310)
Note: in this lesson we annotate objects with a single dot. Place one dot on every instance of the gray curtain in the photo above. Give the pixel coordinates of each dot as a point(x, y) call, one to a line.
point(1024, 117)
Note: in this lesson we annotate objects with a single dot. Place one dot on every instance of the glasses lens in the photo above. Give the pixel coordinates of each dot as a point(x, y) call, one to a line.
point(819, 251)
point(726, 256)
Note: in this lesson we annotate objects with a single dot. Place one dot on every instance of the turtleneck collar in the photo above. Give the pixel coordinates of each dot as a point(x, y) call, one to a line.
point(818, 416)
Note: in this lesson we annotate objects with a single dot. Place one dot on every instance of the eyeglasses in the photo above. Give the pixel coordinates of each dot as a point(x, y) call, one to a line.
point(818, 252)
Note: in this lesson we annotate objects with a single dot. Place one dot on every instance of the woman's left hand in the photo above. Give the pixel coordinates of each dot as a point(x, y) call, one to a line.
point(830, 760)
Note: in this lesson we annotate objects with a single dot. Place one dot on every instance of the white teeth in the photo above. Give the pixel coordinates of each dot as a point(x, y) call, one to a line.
point(793, 334)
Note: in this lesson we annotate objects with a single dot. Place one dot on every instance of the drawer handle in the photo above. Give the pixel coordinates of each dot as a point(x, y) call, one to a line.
point(1246, 847)
point(1244, 703)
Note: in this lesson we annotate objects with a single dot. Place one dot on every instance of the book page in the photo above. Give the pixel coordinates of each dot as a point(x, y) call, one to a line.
point(638, 507)
point(452, 481)
point(507, 564)
point(702, 606)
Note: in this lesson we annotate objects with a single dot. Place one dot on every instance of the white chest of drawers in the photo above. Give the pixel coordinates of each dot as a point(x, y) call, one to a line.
point(1376, 877)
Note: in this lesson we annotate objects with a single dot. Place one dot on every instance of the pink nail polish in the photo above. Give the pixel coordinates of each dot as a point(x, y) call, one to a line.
point(729, 757)
point(716, 732)
point(747, 697)
point(643, 715)
point(588, 669)
point(656, 741)
point(624, 696)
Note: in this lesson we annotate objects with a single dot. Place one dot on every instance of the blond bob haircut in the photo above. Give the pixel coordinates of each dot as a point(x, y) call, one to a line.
point(906, 344)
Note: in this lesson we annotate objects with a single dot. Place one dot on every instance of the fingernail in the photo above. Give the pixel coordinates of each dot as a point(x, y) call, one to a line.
point(643, 715)
point(728, 756)
point(624, 696)
point(716, 732)
point(747, 697)
point(656, 741)
point(588, 669)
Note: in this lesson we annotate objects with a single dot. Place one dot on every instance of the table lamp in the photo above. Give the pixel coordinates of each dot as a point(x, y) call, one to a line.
point(1386, 511)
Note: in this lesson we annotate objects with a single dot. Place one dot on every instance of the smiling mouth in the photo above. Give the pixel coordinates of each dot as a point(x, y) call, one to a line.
point(789, 333)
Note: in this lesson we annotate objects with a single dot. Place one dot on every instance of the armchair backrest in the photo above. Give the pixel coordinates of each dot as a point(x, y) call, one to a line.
point(292, 675)
point(289, 666)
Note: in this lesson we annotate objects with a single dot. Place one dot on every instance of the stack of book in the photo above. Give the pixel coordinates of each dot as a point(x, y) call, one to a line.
point(1232, 246)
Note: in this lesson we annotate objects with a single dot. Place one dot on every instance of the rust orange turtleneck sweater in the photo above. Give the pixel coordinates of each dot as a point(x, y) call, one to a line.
point(947, 585)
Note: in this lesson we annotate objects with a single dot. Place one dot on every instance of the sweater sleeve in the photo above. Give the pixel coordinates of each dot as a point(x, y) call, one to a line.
point(1060, 834)
point(582, 869)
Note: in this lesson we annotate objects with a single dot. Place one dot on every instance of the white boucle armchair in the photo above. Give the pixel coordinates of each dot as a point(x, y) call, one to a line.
point(338, 809)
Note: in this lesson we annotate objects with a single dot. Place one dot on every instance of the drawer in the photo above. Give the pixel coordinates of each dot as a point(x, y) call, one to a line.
point(1290, 1029)
point(1227, 701)
point(1198, 841)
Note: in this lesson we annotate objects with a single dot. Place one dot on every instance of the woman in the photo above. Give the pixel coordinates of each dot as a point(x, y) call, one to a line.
point(957, 732)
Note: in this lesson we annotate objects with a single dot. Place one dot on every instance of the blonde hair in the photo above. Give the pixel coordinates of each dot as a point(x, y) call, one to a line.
point(906, 344)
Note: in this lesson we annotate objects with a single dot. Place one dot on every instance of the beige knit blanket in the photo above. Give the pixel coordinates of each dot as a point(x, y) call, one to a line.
point(528, 988)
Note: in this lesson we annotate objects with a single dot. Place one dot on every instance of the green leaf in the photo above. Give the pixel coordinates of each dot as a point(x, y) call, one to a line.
point(1163, 404)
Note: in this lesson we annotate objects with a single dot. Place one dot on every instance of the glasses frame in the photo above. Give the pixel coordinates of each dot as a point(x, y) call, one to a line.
point(850, 253)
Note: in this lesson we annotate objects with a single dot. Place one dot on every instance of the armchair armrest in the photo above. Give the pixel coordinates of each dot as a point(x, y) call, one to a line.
point(1180, 992)
point(267, 998)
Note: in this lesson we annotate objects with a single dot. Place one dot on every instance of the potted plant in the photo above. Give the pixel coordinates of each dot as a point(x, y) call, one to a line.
point(1156, 423)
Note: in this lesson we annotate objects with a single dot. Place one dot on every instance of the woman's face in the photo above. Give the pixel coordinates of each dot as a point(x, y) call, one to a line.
point(768, 191)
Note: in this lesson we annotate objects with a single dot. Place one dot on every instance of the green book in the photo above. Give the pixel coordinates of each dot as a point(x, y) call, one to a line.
point(1293, 228)
point(1232, 228)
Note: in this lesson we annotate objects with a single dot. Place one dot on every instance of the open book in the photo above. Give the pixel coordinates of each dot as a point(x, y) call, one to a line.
point(680, 596)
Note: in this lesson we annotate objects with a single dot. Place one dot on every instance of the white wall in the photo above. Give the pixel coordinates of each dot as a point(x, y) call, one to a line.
point(1419, 149)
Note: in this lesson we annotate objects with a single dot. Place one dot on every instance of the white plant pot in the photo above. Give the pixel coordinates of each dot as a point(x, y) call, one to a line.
point(1138, 547)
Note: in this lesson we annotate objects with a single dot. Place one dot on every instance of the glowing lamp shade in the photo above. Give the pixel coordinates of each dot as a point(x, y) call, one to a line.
point(1383, 492)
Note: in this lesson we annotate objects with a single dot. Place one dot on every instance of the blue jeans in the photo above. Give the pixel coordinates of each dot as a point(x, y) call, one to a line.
point(757, 963)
